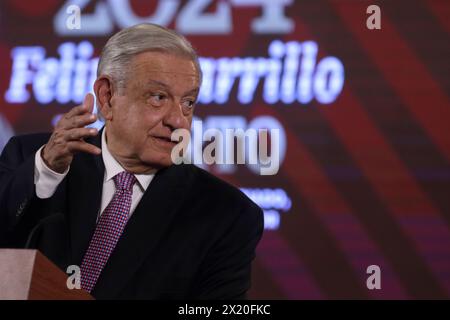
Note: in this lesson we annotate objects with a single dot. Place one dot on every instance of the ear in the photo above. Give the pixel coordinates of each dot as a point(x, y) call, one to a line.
point(103, 88)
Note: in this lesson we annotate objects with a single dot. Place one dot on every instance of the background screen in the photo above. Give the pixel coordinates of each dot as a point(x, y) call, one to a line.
point(363, 114)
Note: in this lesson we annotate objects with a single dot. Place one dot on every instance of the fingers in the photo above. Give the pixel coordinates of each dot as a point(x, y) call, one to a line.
point(86, 107)
point(81, 109)
point(82, 146)
point(67, 138)
point(78, 121)
point(79, 116)
point(80, 133)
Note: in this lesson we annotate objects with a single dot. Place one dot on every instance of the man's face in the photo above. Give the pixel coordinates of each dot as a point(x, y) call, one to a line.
point(158, 98)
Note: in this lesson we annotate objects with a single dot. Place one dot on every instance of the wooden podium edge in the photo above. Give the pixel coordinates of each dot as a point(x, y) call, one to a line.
point(48, 282)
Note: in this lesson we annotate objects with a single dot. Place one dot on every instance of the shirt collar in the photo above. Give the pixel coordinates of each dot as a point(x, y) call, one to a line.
point(113, 167)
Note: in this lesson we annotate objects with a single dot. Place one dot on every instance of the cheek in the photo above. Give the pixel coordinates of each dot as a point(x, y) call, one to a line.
point(151, 119)
point(137, 117)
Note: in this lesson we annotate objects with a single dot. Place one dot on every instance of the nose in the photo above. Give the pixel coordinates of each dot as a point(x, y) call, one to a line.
point(174, 118)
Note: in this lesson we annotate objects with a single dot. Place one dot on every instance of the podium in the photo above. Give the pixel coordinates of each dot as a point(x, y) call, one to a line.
point(28, 275)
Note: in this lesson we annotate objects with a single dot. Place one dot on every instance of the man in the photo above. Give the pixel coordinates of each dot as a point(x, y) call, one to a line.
point(113, 203)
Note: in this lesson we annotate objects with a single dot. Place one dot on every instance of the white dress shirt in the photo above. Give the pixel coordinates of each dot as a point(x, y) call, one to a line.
point(47, 181)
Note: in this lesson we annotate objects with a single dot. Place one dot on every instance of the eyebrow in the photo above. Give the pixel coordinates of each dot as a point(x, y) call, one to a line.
point(166, 86)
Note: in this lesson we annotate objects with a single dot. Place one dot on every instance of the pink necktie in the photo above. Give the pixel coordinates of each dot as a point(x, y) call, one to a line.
point(108, 230)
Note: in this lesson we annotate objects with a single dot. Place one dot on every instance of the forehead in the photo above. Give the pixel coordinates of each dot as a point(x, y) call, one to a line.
point(148, 66)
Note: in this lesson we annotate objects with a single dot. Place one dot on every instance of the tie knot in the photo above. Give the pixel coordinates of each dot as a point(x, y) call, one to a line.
point(124, 181)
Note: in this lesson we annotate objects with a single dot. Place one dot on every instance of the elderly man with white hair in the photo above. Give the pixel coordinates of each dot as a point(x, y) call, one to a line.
point(113, 203)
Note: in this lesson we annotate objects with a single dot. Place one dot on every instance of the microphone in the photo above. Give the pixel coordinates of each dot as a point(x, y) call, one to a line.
point(51, 237)
point(54, 218)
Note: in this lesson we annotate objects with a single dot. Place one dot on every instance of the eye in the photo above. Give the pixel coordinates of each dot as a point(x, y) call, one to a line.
point(157, 98)
point(188, 104)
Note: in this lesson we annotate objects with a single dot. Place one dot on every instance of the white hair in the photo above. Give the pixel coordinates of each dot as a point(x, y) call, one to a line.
point(121, 47)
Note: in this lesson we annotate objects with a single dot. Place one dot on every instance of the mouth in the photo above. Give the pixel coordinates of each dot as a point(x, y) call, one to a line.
point(164, 141)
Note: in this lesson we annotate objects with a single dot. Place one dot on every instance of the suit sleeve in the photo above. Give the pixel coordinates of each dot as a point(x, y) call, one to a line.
point(17, 193)
point(226, 272)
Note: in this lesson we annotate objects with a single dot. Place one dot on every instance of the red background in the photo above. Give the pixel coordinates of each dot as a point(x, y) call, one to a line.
point(368, 175)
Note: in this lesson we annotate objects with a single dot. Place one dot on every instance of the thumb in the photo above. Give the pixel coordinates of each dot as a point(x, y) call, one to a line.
point(89, 102)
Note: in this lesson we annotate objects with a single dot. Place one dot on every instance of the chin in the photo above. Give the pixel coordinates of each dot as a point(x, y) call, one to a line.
point(161, 161)
point(166, 162)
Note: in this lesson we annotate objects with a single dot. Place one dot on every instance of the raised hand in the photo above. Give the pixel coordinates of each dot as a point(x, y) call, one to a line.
point(67, 138)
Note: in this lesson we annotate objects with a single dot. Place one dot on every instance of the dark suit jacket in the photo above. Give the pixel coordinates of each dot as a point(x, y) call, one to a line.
point(191, 236)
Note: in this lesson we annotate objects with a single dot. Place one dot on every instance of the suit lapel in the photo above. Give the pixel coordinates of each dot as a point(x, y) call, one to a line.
point(144, 230)
point(84, 192)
